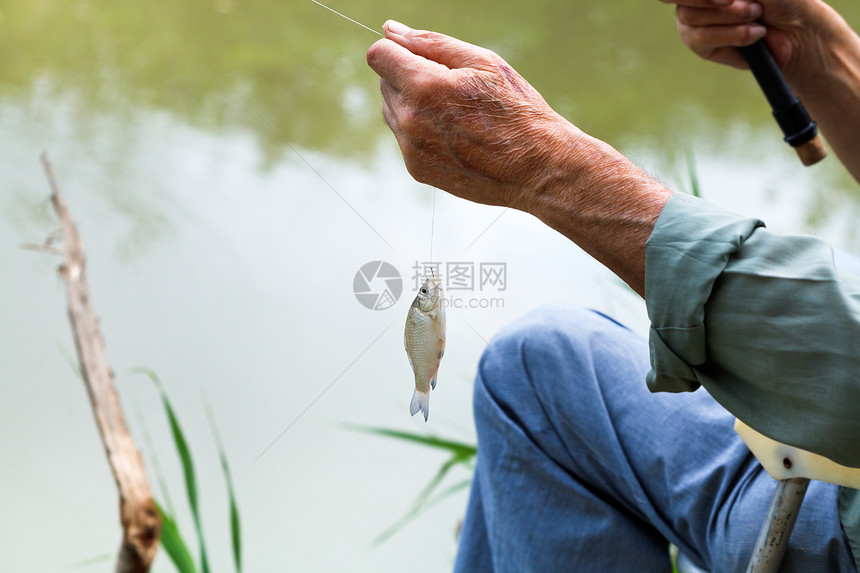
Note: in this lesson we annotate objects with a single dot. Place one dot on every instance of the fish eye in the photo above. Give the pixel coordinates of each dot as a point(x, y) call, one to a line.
point(423, 290)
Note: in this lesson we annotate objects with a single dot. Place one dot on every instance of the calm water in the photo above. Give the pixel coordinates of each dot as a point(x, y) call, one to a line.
point(216, 155)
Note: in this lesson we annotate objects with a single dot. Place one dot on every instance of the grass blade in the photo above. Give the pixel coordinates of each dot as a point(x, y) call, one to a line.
point(90, 561)
point(447, 492)
point(695, 188)
point(456, 448)
point(417, 505)
point(72, 362)
point(187, 464)
point(435, 481)
point(153, 459)
point(461, 454)
point(235, 531)
point(174, 545)
point(417, 510)
point(421, 503)
point(235, 536)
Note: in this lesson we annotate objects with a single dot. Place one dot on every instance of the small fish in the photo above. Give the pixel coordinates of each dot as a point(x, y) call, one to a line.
point(425, 341)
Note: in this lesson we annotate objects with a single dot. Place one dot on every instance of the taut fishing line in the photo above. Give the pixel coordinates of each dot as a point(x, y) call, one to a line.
point(433, 216)
point(423, 333)
point(346, 17)
point(432, 225)
point(339, 376)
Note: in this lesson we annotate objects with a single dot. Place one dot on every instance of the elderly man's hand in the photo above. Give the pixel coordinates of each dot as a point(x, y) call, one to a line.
point(466, 121)
point(818, 52)
point(795, 30)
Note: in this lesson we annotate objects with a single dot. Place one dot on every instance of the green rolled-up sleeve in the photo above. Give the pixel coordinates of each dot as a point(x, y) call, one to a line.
point(764, 322)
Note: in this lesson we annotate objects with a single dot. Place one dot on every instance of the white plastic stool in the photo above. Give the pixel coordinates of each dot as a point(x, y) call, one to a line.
point(794, 468)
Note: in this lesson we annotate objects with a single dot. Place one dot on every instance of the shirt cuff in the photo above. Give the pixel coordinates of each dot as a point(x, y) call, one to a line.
point(688, 249)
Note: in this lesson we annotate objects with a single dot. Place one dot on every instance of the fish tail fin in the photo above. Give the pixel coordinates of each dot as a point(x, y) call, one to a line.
point(420, 401)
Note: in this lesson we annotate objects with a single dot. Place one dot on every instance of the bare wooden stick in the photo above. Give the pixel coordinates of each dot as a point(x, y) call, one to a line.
point(140, 520)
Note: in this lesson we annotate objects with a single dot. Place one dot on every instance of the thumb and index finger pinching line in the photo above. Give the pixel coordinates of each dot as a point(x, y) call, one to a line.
point(404, 52)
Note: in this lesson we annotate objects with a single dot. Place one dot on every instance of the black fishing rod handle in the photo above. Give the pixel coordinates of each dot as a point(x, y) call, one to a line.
point(798, 128)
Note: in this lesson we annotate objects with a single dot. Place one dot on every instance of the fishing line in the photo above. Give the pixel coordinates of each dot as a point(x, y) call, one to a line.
point(324, 180)
point(432, 225)
point(433, 216)
point(347, 17)
point(321, 394)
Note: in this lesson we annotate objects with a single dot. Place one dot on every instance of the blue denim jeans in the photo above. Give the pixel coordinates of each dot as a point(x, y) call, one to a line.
point(581, 468)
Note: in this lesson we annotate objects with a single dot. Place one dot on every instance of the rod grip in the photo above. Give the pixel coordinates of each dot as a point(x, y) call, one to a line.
point(798, 128)
point(812, 151)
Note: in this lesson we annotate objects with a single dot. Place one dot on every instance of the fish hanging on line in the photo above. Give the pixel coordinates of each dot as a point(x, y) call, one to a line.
point(425, 341)
point(425, 324)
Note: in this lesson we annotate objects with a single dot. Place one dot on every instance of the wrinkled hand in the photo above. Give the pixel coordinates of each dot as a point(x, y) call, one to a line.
point(713, 28)
point(465, 121)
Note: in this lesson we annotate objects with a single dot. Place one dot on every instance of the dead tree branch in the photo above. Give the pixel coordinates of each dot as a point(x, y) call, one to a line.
point(140, 520)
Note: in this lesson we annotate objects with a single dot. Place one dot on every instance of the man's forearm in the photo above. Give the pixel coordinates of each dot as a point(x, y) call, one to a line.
point(608, 209)
point(829, 85)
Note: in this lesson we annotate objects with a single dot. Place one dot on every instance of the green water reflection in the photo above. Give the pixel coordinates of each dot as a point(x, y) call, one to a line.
point(616, 68)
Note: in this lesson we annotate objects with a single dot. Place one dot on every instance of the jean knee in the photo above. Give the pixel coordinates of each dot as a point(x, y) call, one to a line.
point(547, 360)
